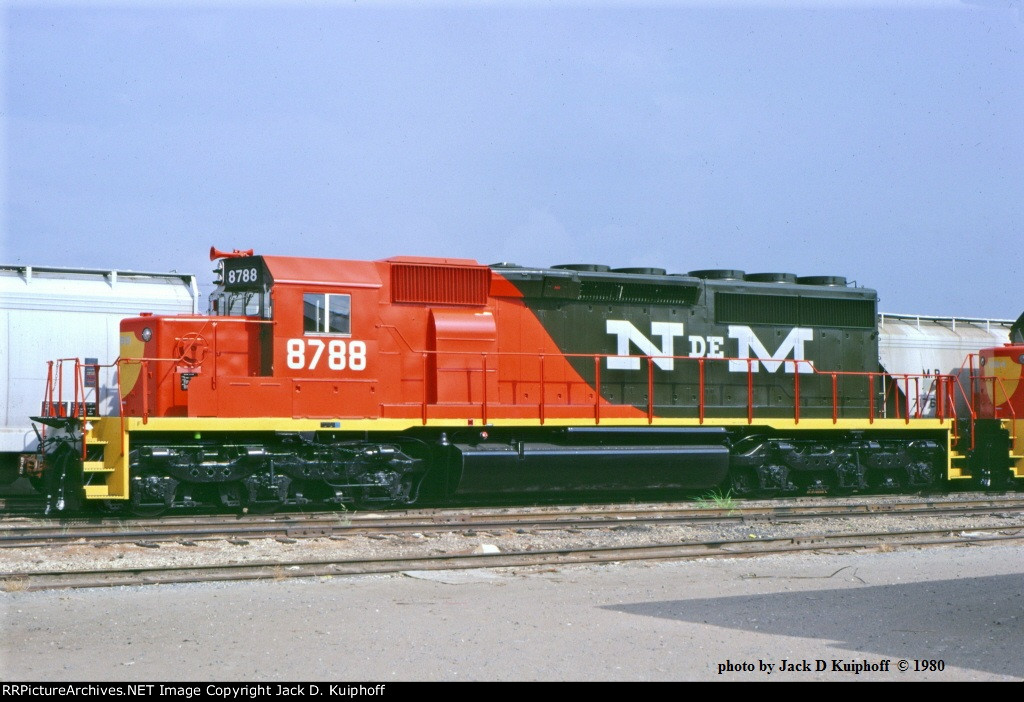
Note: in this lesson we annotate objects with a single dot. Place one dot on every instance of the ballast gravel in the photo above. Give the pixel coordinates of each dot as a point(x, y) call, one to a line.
point(82, 555)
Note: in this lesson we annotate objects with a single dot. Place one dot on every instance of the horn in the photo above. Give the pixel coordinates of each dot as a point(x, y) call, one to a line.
point(215, 253)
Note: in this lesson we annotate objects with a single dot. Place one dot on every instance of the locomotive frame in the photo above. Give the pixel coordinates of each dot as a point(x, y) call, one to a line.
point(410, 379)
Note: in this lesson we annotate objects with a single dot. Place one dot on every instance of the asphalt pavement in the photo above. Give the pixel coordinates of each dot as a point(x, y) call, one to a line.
point(935, 614)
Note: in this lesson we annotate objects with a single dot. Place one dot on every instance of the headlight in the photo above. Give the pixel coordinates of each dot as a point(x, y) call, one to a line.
point(147, 334)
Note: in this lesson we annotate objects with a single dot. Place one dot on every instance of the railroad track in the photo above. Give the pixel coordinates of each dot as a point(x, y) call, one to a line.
point(326, 524)
point(280, 570)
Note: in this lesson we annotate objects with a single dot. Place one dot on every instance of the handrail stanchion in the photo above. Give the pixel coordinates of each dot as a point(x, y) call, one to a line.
point(426, 381)
point(120, 397)
point(871, 398)
point(700, 397)
point(97, 387)
point(145, 392)
point(597, 389)
point(835, 398)
point(80, 389)
point(79, 412)
point(970, 367)
point(216, 355)
point(484, 409)
point(750, 391)
point(48, 397)
point(796, 393)
point(906, 397)
point(894, 385)
point(650, 390)
point(542, 389)
point(917, 394)
point(60, 388)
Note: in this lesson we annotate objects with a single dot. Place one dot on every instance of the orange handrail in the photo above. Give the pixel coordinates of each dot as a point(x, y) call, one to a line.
point(489, 364)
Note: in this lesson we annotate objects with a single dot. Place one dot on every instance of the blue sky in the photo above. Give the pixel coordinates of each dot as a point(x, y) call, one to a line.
point(881, 141)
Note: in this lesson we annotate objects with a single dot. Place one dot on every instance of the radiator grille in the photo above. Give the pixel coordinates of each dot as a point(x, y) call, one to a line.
point(443, 285)
point(737, 308)
point(643, 293)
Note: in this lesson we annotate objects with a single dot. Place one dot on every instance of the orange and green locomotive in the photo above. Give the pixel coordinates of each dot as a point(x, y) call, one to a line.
point(315, 381)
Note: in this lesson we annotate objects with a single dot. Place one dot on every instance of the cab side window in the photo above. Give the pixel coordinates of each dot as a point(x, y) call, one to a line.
point(326, 313)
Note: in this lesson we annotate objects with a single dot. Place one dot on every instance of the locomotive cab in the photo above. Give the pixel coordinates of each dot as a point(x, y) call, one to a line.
point(277, 342)
point(165, 359)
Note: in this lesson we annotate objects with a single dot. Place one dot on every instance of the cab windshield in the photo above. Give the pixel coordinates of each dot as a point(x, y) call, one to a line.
point(246, 303)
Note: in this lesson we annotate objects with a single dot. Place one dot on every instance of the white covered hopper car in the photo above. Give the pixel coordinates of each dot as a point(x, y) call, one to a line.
point(909, 343)
point(48, 313)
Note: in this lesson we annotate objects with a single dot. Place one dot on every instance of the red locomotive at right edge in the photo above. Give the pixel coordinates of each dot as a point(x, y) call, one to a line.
point(387, 383)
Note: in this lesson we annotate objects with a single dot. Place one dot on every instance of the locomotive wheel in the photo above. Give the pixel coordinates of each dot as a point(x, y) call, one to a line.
point(836, 489)
point(887, 481)
point(147, 511)
point(151, 494)
point(257, 498)
point(229, 495)
point(743, 482)
point(261, 507)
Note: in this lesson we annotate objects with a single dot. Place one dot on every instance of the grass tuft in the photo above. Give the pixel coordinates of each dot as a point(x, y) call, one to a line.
point(14, 585)
point(716, 499)
point(344, 516)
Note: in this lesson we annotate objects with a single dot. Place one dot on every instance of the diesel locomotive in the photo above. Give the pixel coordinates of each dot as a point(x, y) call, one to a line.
point(406, 380)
